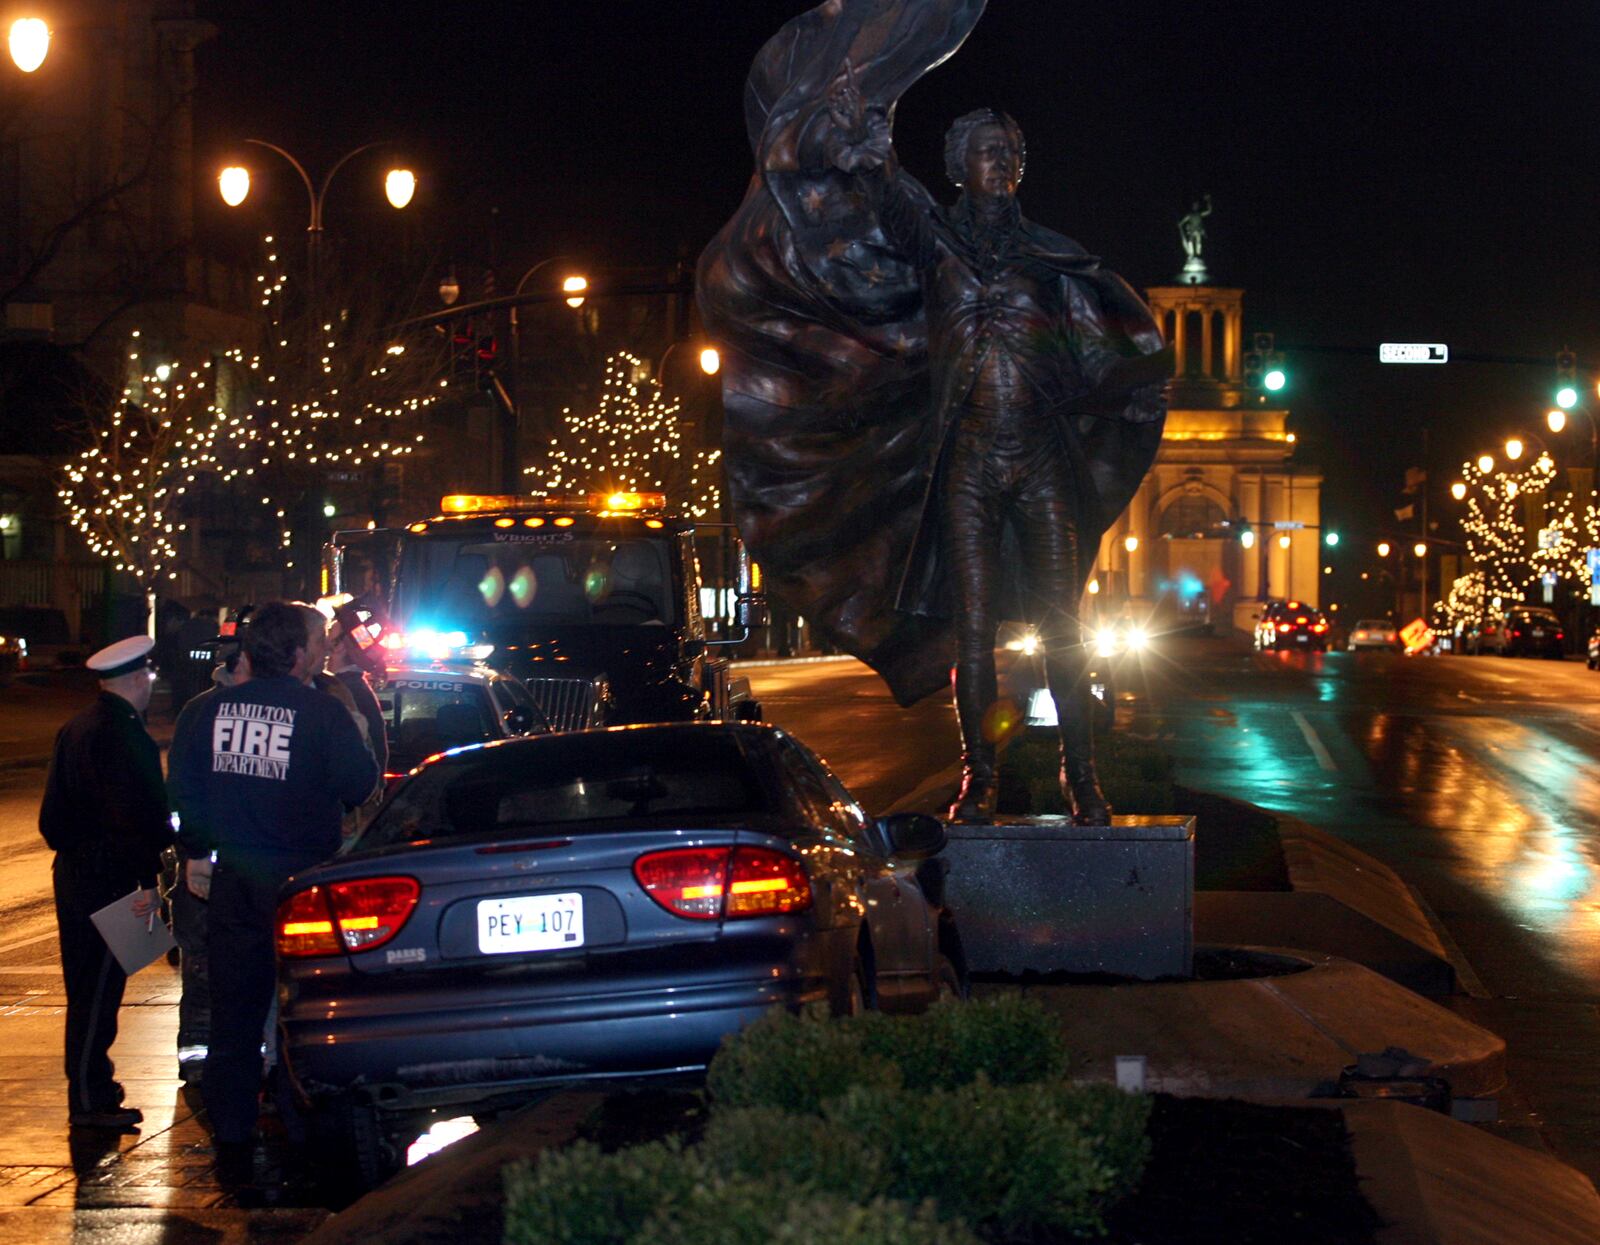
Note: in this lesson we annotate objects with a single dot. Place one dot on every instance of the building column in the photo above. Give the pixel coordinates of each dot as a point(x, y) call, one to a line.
point(1209, 364)
point(1180, 339)
point(1249, 495)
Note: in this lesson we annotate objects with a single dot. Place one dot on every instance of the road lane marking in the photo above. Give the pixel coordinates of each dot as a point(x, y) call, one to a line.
point(26, 942)
point(1318, 749)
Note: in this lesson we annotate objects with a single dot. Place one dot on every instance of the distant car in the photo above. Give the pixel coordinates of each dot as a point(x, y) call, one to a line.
point(13, 653)
point(1594, 650)
point(431, 707)
point(1292, 625)
point(45, 636)
point(1528, 631)
point(1374, 633)
point(590, 906)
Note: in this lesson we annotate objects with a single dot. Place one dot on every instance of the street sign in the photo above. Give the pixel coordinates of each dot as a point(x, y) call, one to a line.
point(1593, 556)
point(1548, 579)
point(1413, 352)
point(1287, 524)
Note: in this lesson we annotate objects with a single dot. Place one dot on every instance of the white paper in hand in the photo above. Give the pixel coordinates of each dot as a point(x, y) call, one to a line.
point(134, 940)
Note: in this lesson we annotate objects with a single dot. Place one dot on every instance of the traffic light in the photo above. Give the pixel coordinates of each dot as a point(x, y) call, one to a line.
point(1257, 359)
point(1247, 535)
point(1566, 380)
point(1276, 376)
point(1330, 539)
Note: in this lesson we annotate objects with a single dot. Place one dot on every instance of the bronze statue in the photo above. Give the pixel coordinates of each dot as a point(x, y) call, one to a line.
point(932, 415)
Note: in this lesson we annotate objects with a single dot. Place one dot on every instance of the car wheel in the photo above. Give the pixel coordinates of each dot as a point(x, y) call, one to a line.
point(348, 1147)
point(858, 995)
point(947, 979)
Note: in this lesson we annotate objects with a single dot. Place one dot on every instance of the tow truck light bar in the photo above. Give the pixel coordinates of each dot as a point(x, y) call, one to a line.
point(601, 503)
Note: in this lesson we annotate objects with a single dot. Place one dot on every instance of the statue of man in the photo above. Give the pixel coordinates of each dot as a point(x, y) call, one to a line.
point(932, 415)
point(1006, 334)
point(1191, 228)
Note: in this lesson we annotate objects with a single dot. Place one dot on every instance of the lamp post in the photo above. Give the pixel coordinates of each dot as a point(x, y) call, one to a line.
point(400, 185)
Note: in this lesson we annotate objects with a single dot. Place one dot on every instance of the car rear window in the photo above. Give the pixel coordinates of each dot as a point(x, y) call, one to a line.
point(579, 783)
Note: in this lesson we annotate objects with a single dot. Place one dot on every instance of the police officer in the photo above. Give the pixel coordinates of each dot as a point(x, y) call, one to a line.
point(267, 768)
point(105, 815)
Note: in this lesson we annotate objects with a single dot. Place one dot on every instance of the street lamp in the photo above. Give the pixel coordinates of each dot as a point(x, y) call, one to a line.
point(1514, 449)
point(1420, 549)
point(234, 185)
point(1384, 549)
point(1486, 463)
point(711, 360)
point(1131, 543)
point(29, 42)
point(1458, 490)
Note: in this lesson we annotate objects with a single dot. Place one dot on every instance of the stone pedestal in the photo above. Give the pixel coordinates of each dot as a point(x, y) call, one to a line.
point(1041, 894)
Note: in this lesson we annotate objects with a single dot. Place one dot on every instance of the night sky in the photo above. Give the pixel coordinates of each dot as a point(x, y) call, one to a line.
point(1418, 171)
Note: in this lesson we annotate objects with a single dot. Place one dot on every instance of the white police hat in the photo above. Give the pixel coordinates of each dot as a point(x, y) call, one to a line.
point(123, 657)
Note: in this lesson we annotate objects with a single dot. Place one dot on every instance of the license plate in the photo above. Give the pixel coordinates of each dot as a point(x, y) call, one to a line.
point(1538, 631)
point(530, 923)
point(1302, 639)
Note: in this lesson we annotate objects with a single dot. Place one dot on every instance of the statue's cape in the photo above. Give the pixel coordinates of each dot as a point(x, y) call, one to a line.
point(832, 424)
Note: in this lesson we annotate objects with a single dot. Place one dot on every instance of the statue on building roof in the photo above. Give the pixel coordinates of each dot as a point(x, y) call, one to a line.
point(1192, 229)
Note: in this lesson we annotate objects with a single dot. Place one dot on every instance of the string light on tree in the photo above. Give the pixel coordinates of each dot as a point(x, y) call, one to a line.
point(633, 440)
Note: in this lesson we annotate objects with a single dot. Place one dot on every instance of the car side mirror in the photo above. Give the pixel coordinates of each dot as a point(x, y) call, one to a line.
point(912, 836)
point(519, 719)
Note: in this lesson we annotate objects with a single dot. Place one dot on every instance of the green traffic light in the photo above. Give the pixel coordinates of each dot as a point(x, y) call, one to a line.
point(1332, 538)
point(1277, 378)
point(1566, 397)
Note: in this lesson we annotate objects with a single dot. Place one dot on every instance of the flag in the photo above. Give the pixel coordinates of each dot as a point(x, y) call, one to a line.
point(1405, 513)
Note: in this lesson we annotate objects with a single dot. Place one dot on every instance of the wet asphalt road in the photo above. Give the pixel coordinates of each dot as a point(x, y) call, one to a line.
point(1476, 778)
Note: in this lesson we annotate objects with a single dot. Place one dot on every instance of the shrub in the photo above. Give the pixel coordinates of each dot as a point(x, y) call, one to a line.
point(1006, 1159)
point(578, 1196)
point(759, 1212)
point(793, 1063)
point(1008, 1039)
point(804, 1150)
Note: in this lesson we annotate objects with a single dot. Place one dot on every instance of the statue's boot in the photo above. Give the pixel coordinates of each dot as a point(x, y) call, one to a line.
point(979, 776)
point(1080, 785)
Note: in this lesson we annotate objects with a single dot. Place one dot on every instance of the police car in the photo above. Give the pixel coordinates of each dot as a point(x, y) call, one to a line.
point(430, 707)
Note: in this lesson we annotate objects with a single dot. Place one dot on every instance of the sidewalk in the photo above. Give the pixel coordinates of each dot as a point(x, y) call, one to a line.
point(153, 1185)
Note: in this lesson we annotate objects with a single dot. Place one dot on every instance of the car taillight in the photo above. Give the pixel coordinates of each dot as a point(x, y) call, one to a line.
point(1561, 635)
point(764, 883)
point(1320, 627)
point(1282, 627)
point(1516, 633)
point(346, 916)
point(305, 925)
point(706, 883)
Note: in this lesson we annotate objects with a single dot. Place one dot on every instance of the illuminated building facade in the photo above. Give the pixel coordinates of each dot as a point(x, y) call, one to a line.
point(1225, 469)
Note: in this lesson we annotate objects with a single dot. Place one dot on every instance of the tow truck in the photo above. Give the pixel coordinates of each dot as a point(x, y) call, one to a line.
point(593, 601)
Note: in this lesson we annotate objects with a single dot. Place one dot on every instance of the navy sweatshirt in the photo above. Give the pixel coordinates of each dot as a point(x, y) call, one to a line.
point(267, 766)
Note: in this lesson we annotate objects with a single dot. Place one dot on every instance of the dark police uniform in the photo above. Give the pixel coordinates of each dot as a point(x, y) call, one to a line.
point(265, 770)
point(105, 816)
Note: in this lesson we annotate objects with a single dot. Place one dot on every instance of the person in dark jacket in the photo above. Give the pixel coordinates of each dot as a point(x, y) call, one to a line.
point(191, 891)
point(266, 769)
point(105, 816)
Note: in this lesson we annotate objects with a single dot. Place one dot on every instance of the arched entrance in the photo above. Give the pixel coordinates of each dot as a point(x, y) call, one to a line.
point(1194, 578)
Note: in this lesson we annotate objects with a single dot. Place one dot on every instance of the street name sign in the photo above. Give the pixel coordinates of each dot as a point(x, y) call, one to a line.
point(1290, 525)
point(1413, 352)
point(1592, 556)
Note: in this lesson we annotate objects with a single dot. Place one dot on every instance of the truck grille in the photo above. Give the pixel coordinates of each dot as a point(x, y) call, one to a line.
point(570, 704)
